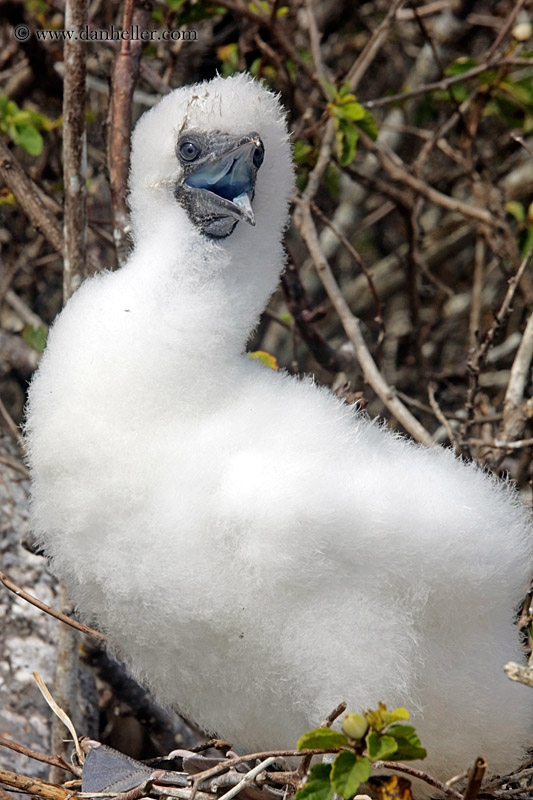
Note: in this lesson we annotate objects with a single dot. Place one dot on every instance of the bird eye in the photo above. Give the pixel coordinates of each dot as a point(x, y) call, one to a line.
point(189, 151)
point(259, 154)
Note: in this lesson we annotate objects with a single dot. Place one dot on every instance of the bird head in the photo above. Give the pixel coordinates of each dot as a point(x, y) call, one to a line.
point(210, 156)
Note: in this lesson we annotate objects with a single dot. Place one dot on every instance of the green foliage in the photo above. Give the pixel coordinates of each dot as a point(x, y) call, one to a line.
point(265, 358)
point(318, 785)
point(348, 772)
point(229, 55)
point(506, 95)
point(371, 736)
point(408, 743)
point(35, 336)
point(524, 218)
point(23, 126)
point(322, 739)
point(381, 718)
point(349, 116)
point(261, 8)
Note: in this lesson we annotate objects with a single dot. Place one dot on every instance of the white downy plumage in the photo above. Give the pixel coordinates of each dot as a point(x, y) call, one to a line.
point(257, 550)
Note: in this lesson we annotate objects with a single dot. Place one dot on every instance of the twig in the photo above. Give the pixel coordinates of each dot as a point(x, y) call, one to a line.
point(352, 328)
point(439, 413)
point(9, 584)
point(475, 779)
point(314, 37)
point(444, 83)
point(358, 260)
point(34, 786)
point(360, 66)
point(65, 688)
point(506, 28)
point(13, 428)
point(248, 778)
point(200, 777)
point(478, 356)
point(25, 193)
point(15, 464)
point(25, 751)
point(124, 78)
point(397, 766)
point(514, 417)
point(74, 150)
point(396, 168)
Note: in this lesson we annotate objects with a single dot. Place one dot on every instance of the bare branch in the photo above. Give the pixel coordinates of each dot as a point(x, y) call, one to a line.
point(74, 150)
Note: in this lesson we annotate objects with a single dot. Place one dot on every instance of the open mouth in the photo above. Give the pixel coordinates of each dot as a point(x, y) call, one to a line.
point(230, 178)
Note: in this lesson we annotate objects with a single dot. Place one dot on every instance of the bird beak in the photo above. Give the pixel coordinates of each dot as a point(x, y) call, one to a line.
point(230, 179)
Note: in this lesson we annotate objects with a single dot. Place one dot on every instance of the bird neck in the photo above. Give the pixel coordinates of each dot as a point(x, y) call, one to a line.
point(207, 295)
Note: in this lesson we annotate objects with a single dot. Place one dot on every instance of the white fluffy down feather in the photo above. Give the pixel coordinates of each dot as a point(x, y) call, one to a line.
point(257, 550)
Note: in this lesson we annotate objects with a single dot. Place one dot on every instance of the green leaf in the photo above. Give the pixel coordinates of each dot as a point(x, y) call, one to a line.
point(354, 725)
point(322, 739)
point(331, 88)
point(301, 152)
point(516, 210)
point(332, 179)
point(35, 336)
point(409, 745)
point(29, 139)
point(381, 718)
point(318, 785)
point(461, 65)
point(347, 137)
point(353, 111)
point(369, 125)
point(265, 358)
point(380, 747)
point(348, 772)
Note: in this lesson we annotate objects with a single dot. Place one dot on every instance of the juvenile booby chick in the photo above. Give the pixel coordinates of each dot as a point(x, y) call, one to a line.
point(257, 550)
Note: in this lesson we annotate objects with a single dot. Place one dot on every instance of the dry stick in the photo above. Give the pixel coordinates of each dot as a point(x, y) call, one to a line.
point(440, 414)
point(247, 779)
point(360, 66)
point(396, 168)
point(10, 422)
point(25, 751)
point(358, 260)
point(475, 779)
point(506, 28)
point(75, 235)
point(25, 193)
point(124, 79)
point(34, 786)
point(314, 38)
point(74, 150)
point(444, 83)
point(352, 328)
point(417, 773)
point(514, 417)
point(9, 584)
point(478, 356)
point(502, 444)
point(223, 766)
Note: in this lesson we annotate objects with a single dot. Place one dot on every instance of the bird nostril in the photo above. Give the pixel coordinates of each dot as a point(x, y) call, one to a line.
point(259, 154)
